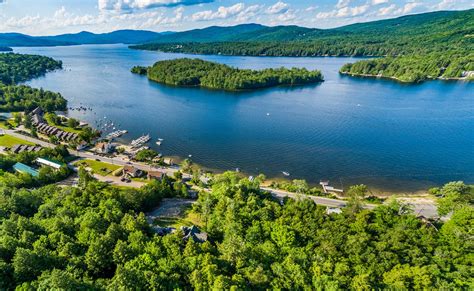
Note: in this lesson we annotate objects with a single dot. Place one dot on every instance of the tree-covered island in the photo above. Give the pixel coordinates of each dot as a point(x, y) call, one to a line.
point(196, 72)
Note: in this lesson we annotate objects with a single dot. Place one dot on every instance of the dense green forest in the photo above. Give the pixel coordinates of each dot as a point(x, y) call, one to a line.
point(421, 33)
point(21, 98)
point(416, 68)
point(416, 36)
point(196, 72)
point(96, 236)
point(17, 68)
point(46, 176)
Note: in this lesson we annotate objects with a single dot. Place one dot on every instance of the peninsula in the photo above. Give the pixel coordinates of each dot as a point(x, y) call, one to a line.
point(195, 72)
point(415, 68)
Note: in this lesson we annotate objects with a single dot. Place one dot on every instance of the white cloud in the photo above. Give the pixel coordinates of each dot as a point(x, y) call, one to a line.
point(378, 2)
point(120, 5)
point(311, 8)
point(287, 16)
point(221, 13)
point(344, 12)
point(409, 7)
point(445, 4)
point(342, 3)
point(387, 10)
point(61, 18)
point(277, 8)
point(248, 13)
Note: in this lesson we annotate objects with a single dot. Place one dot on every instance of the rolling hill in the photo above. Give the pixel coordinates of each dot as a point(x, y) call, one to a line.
point(84, 37)
point(404, 34)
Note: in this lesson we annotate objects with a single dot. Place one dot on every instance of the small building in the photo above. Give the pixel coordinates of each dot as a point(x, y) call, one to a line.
point(50, 163)
point(156, 175)
point(37, 111)
point(22, 168)
point(333, 210)
point(81, 146)
point(103, 148)
point(132, 172)
point(15, 148)
point(22, 148)
point(194, 233)
point(161, 231)
point(168, 161)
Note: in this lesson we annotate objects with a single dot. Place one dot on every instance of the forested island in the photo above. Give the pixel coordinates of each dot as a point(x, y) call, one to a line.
point(416, 68)
point(15, 68)
point(414, 37)
point(5, 49)
point(196, 72)
point(96, 236)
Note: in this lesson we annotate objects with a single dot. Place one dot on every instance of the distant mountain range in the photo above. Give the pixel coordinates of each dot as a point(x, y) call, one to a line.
point(441, 25)
point(119, 36)
point(417, 24)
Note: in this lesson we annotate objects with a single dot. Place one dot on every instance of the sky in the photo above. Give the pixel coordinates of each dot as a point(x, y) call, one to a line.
point(49, 17)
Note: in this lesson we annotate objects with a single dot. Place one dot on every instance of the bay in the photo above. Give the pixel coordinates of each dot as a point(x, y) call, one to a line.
point(391, 136)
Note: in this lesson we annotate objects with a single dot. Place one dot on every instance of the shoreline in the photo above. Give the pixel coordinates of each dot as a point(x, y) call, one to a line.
point(380, 190)
point(402, 81)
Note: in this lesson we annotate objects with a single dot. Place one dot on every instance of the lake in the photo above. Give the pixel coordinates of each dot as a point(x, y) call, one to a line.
point(390, 136)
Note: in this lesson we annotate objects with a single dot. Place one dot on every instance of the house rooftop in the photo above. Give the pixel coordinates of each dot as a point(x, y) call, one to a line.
point(50, 163)
point(22, 168)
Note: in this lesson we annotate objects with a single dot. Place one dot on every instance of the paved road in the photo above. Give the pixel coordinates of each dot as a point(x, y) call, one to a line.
point(421, 207)
point(427, 209)
point(87, 155)
point(280, 194)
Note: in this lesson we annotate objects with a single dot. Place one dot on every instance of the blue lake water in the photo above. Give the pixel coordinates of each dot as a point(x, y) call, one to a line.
point(349, 130)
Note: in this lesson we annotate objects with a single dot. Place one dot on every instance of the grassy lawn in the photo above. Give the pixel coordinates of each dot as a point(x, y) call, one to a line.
point(142, 180)
point(101, 168)
point(61, 127)
point(68, 129)
point(187, 218)
point(9, 141)
point(3, 124)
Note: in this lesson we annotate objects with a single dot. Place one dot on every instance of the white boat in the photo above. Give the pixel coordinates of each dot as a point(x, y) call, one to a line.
point(286, 174)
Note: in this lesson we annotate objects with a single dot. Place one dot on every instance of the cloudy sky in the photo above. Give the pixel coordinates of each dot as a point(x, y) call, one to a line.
point(46, 17)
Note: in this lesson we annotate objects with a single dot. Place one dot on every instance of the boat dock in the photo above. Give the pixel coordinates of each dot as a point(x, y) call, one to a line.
point(329, 189)
point(116, 134)
point(140, 141)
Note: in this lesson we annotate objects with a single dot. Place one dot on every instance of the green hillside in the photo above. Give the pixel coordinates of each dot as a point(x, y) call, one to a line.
point(447, 32)
point(414, 33)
